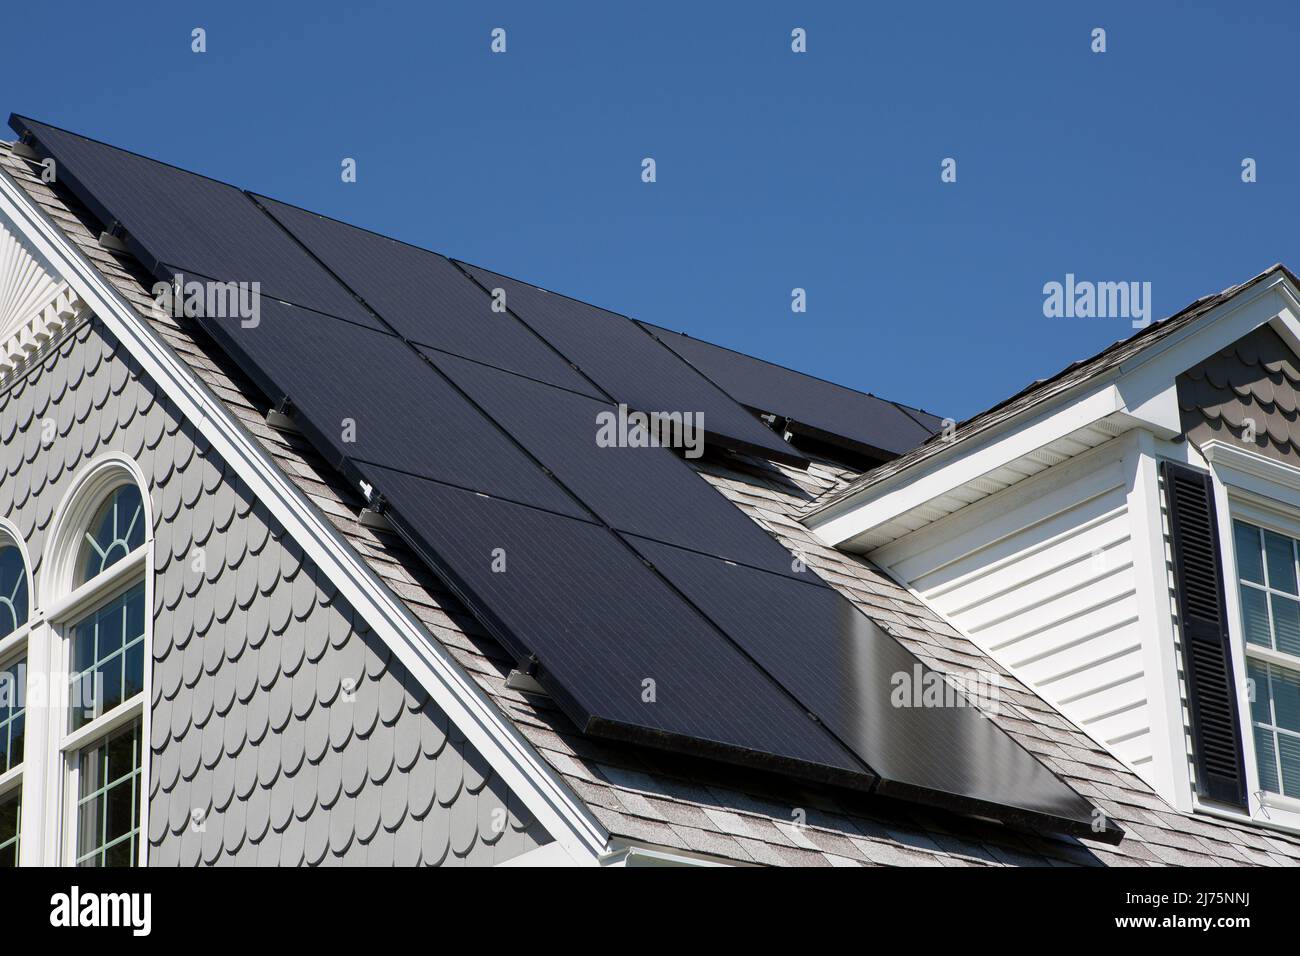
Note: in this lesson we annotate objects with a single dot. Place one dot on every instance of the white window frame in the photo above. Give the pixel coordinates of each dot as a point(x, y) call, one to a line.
point(50, 790)
point(13, 646)
point(1264, 492)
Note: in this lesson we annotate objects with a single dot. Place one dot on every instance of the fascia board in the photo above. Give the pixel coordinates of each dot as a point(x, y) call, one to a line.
point(912, 487)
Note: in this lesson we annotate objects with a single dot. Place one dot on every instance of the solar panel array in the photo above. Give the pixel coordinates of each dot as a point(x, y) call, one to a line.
point(819, 409)
point(650, 607)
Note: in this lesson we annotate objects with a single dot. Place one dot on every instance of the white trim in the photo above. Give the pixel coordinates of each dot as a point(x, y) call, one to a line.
point(564, 815)
point(1140, 393)
point(98, 588)
point(1169, 768)
point(11, 778)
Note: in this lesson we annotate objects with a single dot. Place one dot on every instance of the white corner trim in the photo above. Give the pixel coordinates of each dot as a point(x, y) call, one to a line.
point(565, 816)
point(1169, 774)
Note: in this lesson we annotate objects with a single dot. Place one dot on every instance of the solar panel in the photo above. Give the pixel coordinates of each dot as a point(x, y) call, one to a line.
point(181, 222)
point(647, 491)
point(601, 625)
point(370, 398)
point(632, 368)
point(821, 409)
point(685, 627)
point(847, 672)
point(425, 298)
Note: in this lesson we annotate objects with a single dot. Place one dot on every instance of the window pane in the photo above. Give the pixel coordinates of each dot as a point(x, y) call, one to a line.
point(1250, 563)
point(108, 657)
point(108, 804)
point(13, 590)
point(12, 713)
point(1286, 698)
point(1289, 752)
point(1286, 624)
point(1266, 760)
point(1281, 562)
point(116, 531)
point(11, 816)
point(1254, 613)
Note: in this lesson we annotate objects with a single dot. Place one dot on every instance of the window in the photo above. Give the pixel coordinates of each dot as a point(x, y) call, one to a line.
point(13, 684)
point(88, 774)
point(11, 815)
point(1269, 587)
point(13, 590)
point(108, 800)
point(108, 657)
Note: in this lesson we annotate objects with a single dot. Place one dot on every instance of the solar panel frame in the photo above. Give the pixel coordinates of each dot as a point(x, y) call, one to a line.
point(631, 367)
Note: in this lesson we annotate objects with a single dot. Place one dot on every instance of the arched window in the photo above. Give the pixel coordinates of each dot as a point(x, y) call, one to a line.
point(13, 590)
point(116, 530)
point(94, 586)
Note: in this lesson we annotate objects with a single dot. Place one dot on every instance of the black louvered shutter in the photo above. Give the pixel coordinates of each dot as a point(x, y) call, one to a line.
point(1207, 652)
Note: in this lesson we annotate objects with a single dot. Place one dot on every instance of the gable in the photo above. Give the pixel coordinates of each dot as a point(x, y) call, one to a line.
point(1246, 394)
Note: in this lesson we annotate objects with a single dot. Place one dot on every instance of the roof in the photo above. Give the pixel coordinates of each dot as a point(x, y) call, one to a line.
point(693, 805)
point(1040, 391)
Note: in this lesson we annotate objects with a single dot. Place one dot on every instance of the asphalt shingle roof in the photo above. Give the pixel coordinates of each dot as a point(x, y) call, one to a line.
point(699, 806)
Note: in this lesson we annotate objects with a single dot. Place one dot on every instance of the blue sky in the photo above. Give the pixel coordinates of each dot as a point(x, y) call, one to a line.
point(775, 170)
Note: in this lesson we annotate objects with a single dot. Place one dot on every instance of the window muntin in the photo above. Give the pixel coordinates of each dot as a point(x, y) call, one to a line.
point(13, 716)
point(13, 590)
point(118, 529)
point(11, 819)
point(107, 657)
point(108, 800)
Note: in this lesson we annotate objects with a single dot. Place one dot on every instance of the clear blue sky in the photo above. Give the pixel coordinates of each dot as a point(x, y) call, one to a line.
point(775, 170)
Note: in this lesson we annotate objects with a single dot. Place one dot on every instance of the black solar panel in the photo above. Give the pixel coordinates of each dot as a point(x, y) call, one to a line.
point(827, 411)
point(601, 624)
point(425, 298)
point(491, 467)
point(348, 382)
point(845, 670)
point(632, 368)
point(181, 222)
point(647, 491)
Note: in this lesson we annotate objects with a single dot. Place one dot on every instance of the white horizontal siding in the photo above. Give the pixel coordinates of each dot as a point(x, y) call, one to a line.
point(1044, 583)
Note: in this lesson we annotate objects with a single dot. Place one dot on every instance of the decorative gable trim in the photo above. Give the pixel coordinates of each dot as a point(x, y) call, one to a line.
point(35, 306)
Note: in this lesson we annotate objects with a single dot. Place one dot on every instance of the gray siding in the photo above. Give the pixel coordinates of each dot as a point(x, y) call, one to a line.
point(1255, 379)
point(277, 715)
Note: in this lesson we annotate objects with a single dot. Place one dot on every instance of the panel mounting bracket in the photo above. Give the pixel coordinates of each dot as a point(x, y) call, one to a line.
point(113, 238)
